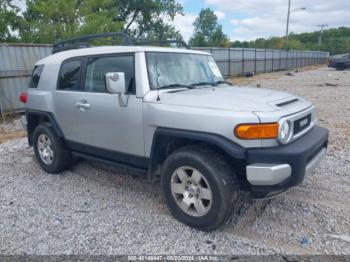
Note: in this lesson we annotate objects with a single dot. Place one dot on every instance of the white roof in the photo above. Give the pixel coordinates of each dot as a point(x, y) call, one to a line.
point(61, 56)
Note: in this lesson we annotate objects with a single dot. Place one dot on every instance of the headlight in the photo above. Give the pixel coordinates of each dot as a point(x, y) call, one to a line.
point(284, 132)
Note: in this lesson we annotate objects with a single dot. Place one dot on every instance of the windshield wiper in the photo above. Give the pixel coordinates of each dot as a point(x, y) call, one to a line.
point(201, 84)
point(210, 84)
point(175, 86)
point(221, 82)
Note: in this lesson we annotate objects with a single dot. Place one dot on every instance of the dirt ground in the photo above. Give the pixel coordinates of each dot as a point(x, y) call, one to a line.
point(92, 209)
point(6, 136)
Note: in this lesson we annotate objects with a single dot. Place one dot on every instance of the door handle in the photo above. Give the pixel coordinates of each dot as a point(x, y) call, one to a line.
point(83, 105)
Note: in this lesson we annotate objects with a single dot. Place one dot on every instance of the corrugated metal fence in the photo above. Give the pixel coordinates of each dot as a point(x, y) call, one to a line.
point(16, 65)
point(239, 61)
point(17, 60)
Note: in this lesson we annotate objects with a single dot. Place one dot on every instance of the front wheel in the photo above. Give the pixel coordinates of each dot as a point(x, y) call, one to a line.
point(199, 187)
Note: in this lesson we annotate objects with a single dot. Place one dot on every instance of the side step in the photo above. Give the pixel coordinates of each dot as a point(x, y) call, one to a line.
point(126, 167)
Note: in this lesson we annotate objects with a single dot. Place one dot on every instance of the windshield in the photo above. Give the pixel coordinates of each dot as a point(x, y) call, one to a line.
point(181, 69)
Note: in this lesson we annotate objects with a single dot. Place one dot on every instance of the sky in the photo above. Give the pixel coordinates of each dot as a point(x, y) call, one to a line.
point(246, 20)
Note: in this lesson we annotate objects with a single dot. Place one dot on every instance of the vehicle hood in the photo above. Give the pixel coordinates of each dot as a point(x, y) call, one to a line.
point(225, 97)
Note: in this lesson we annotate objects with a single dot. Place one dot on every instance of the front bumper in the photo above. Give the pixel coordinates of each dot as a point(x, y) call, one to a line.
point(276, 169)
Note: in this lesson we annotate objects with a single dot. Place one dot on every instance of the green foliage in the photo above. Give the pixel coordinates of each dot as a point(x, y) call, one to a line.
point(207, 31)
point(9, 20)
point(206, 23)
point(147, 19)
point(46, 21)
point(335, 41)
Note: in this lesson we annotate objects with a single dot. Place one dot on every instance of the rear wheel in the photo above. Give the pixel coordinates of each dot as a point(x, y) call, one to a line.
point(50, 151)
point(340, 66)
point(199, 187)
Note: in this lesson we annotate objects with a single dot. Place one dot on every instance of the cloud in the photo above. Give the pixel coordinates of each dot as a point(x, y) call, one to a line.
point(184, 23)
point(220, 14)
point(21, 4)
point(268, 18)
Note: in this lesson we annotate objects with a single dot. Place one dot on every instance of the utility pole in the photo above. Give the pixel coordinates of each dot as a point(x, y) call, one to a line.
point(288, 15)
point(331, 44)
point(322, 26)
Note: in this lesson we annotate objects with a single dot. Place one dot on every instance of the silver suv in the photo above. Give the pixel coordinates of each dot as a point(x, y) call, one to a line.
point(168, 114)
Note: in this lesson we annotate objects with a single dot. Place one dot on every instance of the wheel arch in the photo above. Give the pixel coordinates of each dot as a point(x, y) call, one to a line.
point(35, 118)
point(340, 65)
point(167, 140)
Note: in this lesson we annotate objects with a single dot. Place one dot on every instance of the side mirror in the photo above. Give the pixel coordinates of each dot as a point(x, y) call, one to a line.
point(115, 83)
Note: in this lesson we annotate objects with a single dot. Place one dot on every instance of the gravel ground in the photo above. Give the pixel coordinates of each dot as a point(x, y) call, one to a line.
point(93, 209)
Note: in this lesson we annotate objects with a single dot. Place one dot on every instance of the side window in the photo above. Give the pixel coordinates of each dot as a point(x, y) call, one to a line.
point(69, 78)
point(99, 66)
point(34, 79)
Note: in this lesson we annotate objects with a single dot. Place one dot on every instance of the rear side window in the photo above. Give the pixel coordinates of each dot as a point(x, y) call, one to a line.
point(69, 78)
point(34, 79)
point(98, 67)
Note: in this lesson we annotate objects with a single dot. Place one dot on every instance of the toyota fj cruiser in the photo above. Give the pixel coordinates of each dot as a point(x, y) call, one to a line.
point(167, 113)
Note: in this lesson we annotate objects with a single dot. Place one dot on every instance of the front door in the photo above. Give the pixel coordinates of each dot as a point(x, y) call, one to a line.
point(102, 124)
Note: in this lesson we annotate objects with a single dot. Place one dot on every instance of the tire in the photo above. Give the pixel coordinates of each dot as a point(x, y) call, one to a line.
point(217, 176)
point(61, 157)
point(340, 67)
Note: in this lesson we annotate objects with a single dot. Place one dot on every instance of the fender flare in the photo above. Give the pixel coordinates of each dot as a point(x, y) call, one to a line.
point(231, 148)
point(48, 115)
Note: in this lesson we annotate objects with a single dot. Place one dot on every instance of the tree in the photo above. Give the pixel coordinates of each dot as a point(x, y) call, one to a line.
point(219, 39)
point(8, 19)
point(335, 41)
point(46, 21)
point(146, 19)
point(207, 31)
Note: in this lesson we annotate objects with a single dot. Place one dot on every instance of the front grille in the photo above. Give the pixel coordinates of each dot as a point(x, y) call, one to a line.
point(301, 124)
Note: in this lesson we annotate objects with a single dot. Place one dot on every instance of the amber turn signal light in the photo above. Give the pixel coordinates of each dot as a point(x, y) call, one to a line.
point(257, 131)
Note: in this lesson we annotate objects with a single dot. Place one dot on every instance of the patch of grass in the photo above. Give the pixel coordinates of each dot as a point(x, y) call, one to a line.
point(6, 136)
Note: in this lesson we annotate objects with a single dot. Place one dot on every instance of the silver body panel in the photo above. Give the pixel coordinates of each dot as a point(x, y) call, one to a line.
point(129, 127)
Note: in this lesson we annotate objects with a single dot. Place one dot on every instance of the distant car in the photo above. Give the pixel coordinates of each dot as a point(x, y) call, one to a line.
point(340, 62)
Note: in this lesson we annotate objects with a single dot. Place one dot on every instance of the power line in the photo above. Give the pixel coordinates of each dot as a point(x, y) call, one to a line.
point(322, 26)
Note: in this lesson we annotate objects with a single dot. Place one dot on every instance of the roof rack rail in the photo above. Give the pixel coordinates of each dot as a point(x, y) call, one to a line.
point(162, 42)
point(82, 42)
